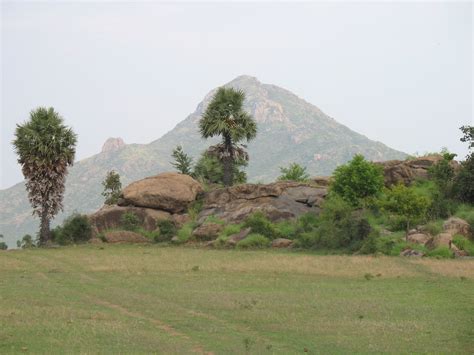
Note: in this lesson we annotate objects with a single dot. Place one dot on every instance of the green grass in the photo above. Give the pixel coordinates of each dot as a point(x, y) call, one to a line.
point(152, 299)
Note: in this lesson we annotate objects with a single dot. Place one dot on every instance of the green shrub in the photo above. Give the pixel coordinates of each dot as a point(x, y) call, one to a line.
point(195, 208)
point(185, 232)
point(230, 229)
point(152, 235)
point(75, 229)
point(214, 219)
point(308, 221)
point(463, 187)
point(434, 227)
point(130, 221)
point(358, 180)
point(259, 224)
point(340, 226)
point(369, 244)
point(221, 241)
point(287, 229)
point(385, 245)
point(306, 240)
point(167, 231)
point(294, 172)
point(442, 252)
point(464, 244)
point(3, 245)
point(254, 241)
point(26, 242)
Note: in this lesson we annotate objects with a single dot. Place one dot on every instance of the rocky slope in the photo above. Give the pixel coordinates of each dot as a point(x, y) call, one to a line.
point(289, 130)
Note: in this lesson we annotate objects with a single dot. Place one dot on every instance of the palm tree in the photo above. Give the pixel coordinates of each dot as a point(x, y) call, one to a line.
point(226, 117)
point(45, 148)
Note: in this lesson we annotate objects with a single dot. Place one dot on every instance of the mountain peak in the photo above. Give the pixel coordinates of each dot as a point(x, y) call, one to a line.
point(245, 80)
point(113, 144)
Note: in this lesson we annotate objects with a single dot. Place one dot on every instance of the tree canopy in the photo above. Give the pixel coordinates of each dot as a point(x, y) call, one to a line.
point(358, 180)
point(226, 117)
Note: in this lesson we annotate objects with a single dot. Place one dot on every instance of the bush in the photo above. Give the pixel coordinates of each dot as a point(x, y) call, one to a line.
point(434, 227)
point(369, 245)
point(442, 252)
point(306, 240)
point(26, 242)
point(221, 241)
point(406, 203)
point(209, 170)
point(463, 187)
point(294, 172)
point(214, 219)
point(130, 221)
point(167, 231)
point(254, 241)
point(286, 229)
point(464, 244)
point(230, 229)
point(358, 180)
point(308, 221)
point(259, 224)
point(340, 226)
point(75, 229)
point(185, 232)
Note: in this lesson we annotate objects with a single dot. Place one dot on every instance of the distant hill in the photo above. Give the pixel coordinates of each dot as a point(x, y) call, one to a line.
point(289, 130)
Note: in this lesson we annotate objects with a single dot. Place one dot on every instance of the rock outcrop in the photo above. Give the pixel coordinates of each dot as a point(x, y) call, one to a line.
point(113, 144)
point(208, 231)
point(171, 192)
point(407, 171)
point(456, 225)
point(418, 238)
point(282, 243)
point(110, 217)
point(124, 237)
point(279, 200)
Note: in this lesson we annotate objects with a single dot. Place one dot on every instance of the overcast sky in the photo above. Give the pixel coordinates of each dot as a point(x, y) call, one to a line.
point(400, 73)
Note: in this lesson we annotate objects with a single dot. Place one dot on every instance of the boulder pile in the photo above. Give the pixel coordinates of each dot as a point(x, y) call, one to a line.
point(407, 171)
point(168, 196)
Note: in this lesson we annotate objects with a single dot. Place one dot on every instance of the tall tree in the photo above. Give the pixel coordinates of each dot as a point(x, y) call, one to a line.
point(45, 149)
point(112, 187)
point(226, 117)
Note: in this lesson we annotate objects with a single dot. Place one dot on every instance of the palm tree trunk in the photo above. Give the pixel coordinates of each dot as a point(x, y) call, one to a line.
point(228, 162)
point(44, 228)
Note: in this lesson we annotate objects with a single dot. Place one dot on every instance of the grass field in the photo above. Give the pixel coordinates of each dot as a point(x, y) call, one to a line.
point(150, 299)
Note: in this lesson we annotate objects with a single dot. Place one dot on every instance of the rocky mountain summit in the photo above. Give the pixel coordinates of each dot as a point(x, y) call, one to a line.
point(112, 144)
point(289, 130)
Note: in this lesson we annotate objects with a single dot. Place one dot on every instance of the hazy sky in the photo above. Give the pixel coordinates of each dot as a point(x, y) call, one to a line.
point(400, 73)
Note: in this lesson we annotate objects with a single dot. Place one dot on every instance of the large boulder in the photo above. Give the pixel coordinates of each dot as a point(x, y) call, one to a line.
point(442, 239)
point(456, 225)
point(208, 231)
point(124, 237)
point(109, 217)
point(171, 192)
point(407, 171)
point(282, 243)
point(419, 238)
point(279, 200)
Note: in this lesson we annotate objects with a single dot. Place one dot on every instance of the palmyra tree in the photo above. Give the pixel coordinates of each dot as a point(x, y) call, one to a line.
point(226, 117)
point(45, 149)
